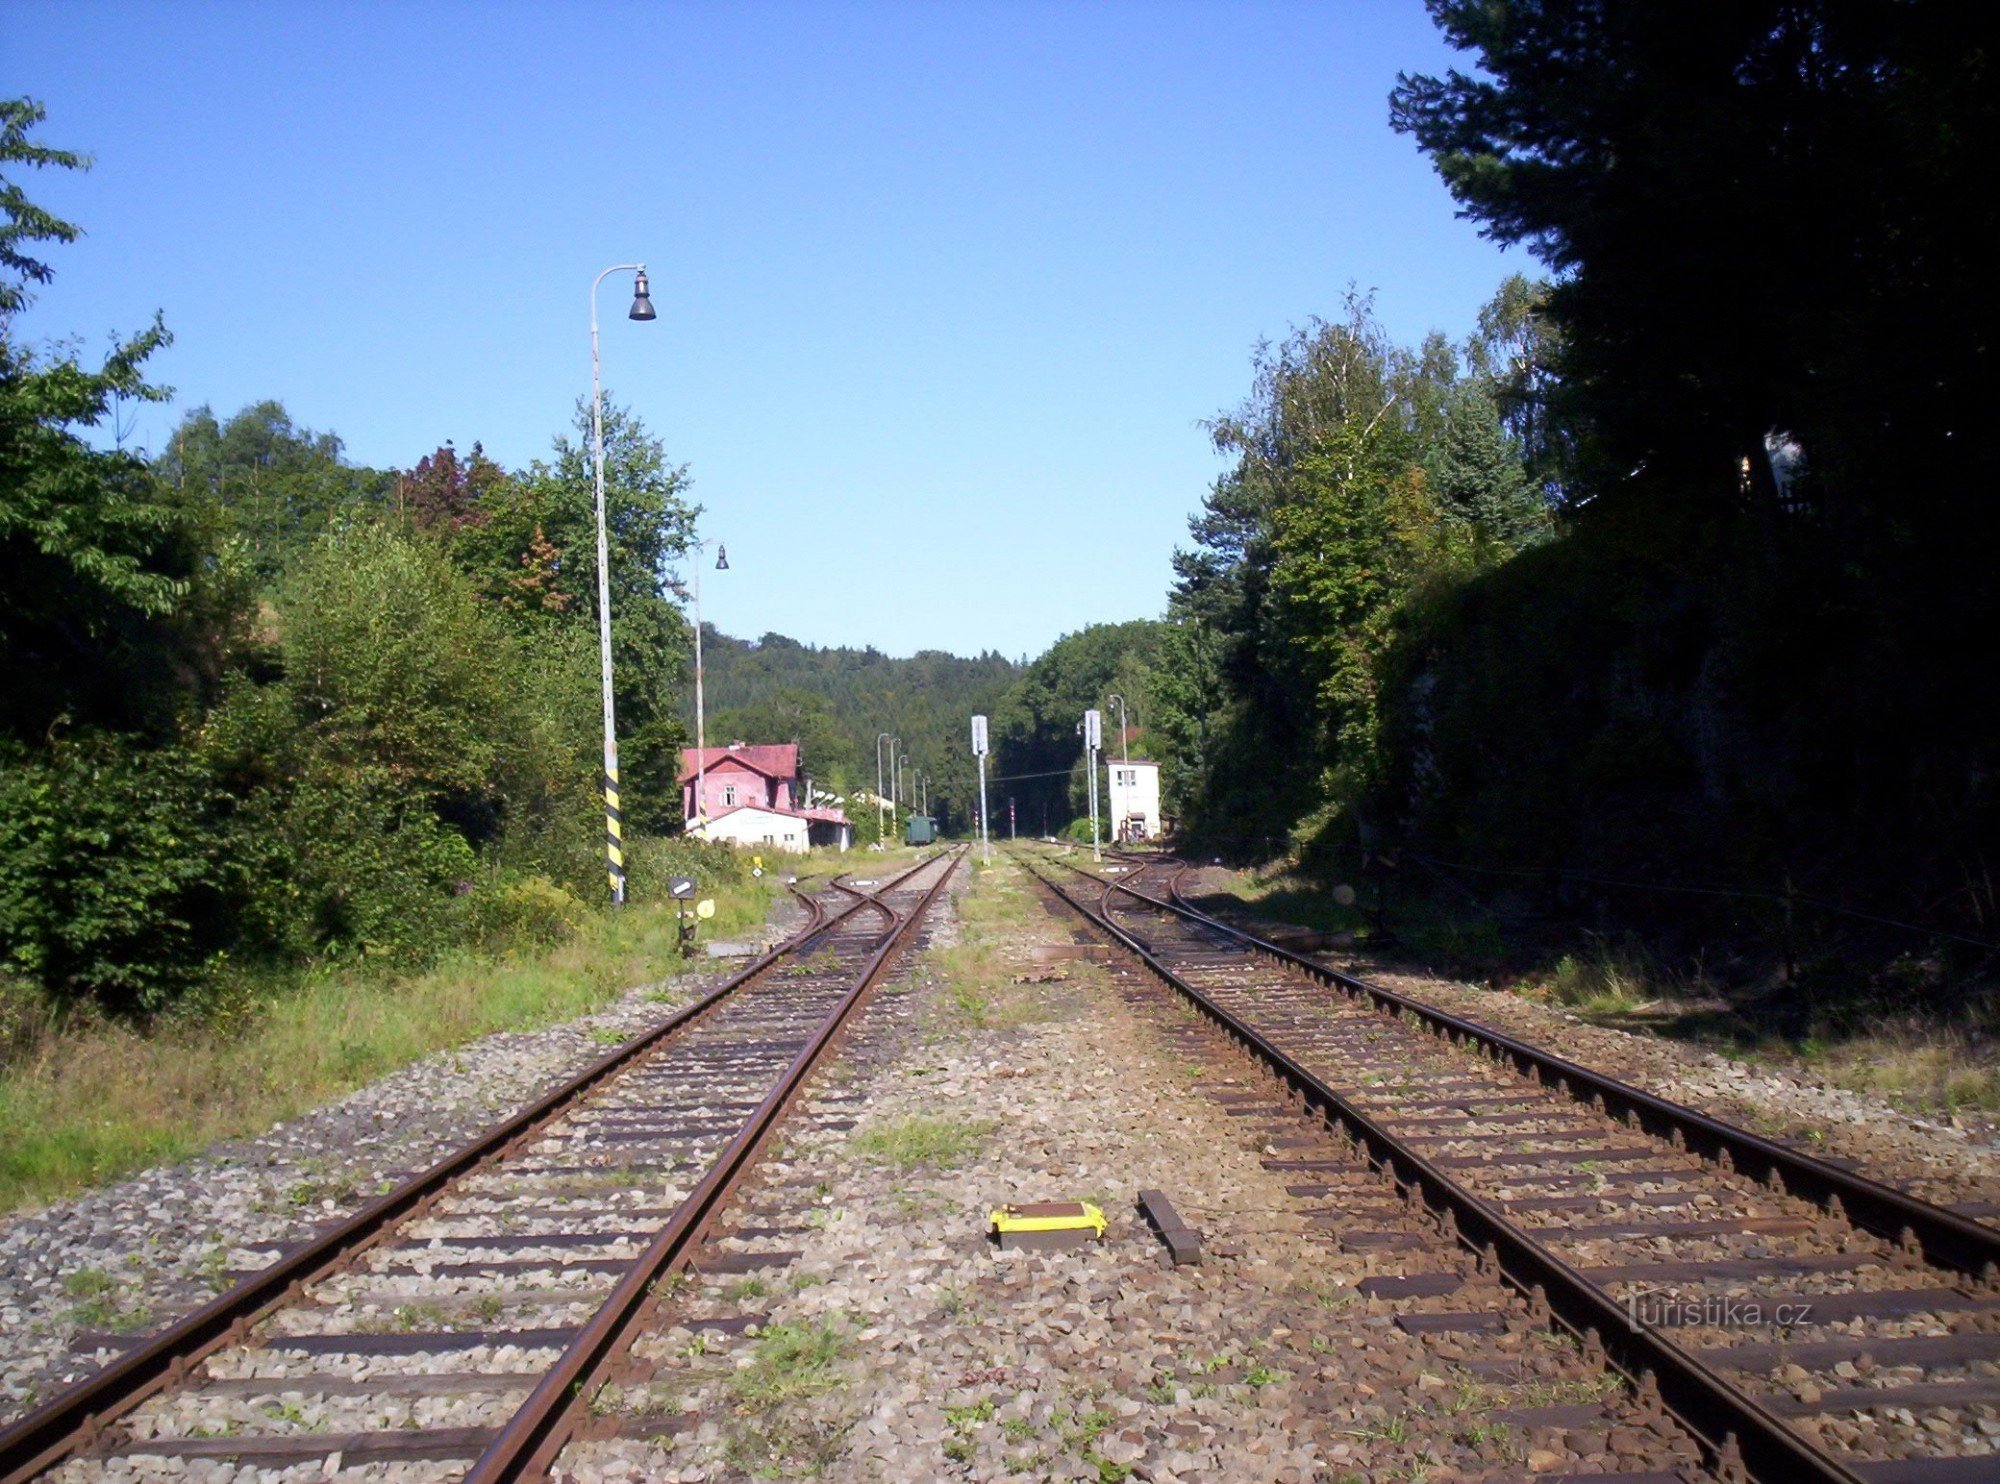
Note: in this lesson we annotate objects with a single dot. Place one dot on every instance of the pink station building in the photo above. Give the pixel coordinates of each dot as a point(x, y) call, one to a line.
point(755, 796)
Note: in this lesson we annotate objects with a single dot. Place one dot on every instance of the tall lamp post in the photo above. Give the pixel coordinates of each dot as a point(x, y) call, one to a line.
point(1125, 754)
point(895, 791)
point(700, 721)
point(1124, 740)
point(614, 819)
point(880, 738)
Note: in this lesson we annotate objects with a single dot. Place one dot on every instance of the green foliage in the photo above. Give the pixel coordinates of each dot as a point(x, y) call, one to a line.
point(1744, 662)
point(400, 738)
point(263, 484)
point(114, 875)
point(1763, 216)
point(1034, 729)
point(98, 570)
point(26, 223)
point(1367, 475)
point(529, 542)
point(266, 707)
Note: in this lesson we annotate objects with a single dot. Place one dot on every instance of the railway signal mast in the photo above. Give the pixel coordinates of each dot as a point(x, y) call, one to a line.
point(1093, 740)
point(979, 751)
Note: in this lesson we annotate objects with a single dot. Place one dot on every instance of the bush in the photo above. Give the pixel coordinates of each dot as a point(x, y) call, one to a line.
point(1079, 831)
point(115, 872)
point(650, 860)
point(531, 910)
point(408, 734)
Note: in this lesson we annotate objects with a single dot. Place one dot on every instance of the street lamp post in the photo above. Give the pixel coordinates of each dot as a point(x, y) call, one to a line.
point(700, 719)
point(1125, 754)
point(895, 791)
point(880, 738)
point(614, 819)
point(1124, 740)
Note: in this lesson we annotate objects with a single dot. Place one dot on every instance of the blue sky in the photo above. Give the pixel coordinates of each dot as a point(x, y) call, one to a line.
point(945, 290)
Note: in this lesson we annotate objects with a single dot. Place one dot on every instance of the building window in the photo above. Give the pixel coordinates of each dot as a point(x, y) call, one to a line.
point(729, 796)
point(1126, 777)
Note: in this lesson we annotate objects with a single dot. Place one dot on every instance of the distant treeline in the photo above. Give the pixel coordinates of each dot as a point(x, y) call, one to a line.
point(835, 702)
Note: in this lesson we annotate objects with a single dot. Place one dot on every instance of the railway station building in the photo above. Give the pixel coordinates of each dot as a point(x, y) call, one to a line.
point(754, 795)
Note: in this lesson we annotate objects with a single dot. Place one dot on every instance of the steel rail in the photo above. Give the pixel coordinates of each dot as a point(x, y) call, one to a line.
point(528, 1445)
point(75, 1418)
point(1732, 1425)
point(1945, 1238)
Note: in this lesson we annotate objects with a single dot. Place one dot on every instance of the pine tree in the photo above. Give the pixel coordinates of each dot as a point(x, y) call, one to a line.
point(1478, 475)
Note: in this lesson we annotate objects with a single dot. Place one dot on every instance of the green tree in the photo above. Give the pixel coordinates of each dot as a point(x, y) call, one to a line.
point(262, 481)
point(1037, 750)
point(1762, 216)
point(116, 882)
point(1479, 478)
point(99, 569)
point(405, 731)
point(529, 540)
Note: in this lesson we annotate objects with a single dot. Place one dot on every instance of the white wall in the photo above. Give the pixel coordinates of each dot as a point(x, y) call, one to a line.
point(759, 827)
point(1135, 789)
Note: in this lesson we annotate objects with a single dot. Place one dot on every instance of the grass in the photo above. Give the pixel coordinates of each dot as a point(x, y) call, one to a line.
point(978, 972)
point(1948, 1068)
point(99, 1302)
point(918, 1142)
point(792, 1363)
point(1603, 985)
point(89, 1101)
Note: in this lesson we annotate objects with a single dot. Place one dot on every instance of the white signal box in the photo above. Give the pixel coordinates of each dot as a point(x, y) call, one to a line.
point(979, 736)
point(1093, 730)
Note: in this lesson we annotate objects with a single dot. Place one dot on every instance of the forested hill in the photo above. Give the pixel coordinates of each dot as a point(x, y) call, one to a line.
point(836, 701)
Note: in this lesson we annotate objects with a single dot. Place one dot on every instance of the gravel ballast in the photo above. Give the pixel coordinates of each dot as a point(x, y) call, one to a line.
point(81, 1279)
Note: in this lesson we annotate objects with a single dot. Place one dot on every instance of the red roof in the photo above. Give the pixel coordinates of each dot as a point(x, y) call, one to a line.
point(778, 760)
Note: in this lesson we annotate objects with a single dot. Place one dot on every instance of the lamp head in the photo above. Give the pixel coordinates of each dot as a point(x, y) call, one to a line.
point(721, 558)
point(642, 299)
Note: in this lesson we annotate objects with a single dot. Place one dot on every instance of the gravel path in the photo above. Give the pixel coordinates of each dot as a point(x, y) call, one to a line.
point(81, 1279)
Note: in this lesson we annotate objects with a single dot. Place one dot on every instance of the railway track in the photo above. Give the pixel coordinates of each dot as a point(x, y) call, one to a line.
point(459, 1325)
point(1799, 1320)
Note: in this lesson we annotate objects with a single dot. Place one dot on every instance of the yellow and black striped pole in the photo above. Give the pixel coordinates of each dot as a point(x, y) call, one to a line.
point(614, 832)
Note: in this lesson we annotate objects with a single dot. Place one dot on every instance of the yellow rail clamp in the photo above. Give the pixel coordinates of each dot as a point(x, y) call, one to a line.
point(1046, 1224)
